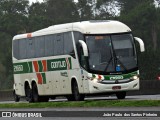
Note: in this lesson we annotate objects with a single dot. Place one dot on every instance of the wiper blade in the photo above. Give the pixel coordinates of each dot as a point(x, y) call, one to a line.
point(114, 58)
point(117, 59)
point(108, 64)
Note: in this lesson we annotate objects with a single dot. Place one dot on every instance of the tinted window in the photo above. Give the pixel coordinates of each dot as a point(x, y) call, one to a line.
point(22, 49)
point(30, 47)
point(16, 49)
point(58, 44)
point(49, 40)
point(39, 46)
point(78, 36)
point(68, 44)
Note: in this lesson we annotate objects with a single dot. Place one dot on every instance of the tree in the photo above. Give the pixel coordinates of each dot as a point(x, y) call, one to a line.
point(37, 18)
point(107, 9)
point(61, 11)
point(85, 9)
point(128, 5)
point(144, 19)
point(13, 12)
point(13, 20)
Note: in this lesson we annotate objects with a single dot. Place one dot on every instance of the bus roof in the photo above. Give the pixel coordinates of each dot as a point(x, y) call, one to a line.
point(85, 27)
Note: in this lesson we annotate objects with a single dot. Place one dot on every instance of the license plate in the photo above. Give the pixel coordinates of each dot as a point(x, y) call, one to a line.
point(116, 87)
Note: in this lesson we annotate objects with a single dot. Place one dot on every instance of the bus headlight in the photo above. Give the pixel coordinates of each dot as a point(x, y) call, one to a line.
point(135, 77)
point(96, 80)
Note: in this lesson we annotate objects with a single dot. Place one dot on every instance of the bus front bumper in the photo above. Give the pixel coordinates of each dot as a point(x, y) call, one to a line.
point(95, 87)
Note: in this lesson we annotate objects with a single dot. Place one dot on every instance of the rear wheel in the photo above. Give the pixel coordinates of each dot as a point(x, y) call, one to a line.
point(35, 95)
point(70, 98)
point(28, 93)
point(121, 95)
point(16, 97)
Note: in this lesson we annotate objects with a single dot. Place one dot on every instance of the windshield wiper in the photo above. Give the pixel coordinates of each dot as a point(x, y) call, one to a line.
point(115, 59)
point(111, 59)
point(108, 64)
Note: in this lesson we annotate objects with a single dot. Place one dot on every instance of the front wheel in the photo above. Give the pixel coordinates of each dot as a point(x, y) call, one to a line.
point(76, 95)
point(121, 95)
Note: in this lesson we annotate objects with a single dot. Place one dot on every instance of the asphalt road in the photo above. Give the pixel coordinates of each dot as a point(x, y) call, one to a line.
point(136, 97)
point(69, 111)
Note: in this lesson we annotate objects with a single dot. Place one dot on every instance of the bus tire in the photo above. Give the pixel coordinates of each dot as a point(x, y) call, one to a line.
point(121, 95)
point(28, 93)
point(75, 91)
point(70, 98)
point(16, 97)
point(35, 95)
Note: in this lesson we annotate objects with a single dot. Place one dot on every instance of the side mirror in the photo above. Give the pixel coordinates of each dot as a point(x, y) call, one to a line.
point(141, 43)
point(84, 47)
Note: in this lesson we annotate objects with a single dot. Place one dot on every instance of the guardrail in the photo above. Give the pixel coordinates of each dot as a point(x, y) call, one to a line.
point(147, 87)
point(6, 95)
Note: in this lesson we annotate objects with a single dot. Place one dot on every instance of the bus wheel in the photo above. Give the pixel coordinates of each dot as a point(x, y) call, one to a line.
point(28, 93)
point(35, 95)
point(70, 98)
point(16, 97)
point(76, 95)
point(121, 95)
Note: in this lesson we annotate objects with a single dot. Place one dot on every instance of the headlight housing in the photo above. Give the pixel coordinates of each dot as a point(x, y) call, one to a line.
point(135, 77)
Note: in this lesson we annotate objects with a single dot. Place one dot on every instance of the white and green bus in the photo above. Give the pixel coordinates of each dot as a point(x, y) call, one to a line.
point(75, 60)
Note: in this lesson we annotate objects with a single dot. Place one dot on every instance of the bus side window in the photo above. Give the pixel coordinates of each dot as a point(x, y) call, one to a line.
point(49, 45)
point(22, 49)
point(58, 45)
point(30, 47)
point(39, 46)
point(68, 44)
point(16, 49)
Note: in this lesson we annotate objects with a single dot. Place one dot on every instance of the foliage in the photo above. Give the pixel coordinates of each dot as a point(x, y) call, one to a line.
point(17, 16)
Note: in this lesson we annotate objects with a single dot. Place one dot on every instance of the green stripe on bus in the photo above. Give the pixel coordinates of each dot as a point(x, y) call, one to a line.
point(44, 78)
point(40, 66)
point(20, 68)
point(30, 67)
point(125, 76)
point(52, 65)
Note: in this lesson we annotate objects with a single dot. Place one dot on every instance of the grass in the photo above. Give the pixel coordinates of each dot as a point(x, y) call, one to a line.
point(89, 103)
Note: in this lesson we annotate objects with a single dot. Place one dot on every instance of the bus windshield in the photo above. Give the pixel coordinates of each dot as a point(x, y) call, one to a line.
point(111, 53)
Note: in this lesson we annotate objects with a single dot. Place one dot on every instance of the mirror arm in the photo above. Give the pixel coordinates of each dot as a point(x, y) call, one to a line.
point(141, 43)
point(84, 47)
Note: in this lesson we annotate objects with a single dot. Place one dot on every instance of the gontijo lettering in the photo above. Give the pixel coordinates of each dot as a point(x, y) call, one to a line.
point(58, 64)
